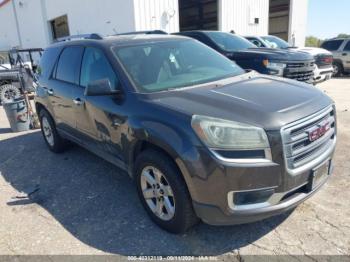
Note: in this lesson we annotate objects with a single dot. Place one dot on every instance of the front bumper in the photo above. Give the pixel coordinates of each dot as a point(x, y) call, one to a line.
point(322, 74)
point(214, 216)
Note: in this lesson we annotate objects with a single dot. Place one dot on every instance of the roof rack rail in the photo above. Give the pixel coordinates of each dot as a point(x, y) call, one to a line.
point(93, 36)
point(148, 32)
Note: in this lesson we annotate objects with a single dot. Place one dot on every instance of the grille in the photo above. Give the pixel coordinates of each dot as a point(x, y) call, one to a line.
point(299, 65)
point(298, 149)
point(301, 71)
point(300, 76)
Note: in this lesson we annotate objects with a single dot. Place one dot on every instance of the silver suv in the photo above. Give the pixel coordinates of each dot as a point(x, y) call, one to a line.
point(340, 47)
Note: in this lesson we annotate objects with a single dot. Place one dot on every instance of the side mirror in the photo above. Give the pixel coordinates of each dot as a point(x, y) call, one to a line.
point(100, 87)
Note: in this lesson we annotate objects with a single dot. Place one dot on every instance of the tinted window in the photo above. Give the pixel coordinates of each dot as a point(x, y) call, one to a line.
point(174, 64)
point(255, 42)
point(230, 42)
point(347, 47)
point(68, 66)
point(95, 66)
point(279, 43)
point(332, 45)
point(47, 62)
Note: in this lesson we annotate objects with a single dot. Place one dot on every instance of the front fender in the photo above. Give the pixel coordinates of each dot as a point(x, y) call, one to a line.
point(179, 144)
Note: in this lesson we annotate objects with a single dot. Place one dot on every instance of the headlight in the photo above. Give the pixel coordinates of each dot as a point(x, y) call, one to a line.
point(275, 67)
point(222, 134)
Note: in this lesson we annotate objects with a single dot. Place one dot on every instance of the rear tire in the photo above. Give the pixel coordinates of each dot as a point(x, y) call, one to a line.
point(176, 214)
point(48, 128)
point(8, 93)
point(338, 69)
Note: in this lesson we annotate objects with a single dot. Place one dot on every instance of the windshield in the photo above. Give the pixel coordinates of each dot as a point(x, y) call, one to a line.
point(230, 42)
point(276, 40)
point(159, 66)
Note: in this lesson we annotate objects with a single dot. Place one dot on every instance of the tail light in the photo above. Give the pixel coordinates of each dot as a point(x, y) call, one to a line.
point(327, 60)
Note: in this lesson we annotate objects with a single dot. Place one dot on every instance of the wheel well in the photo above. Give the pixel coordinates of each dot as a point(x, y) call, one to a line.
point(4, 82)
point(39, 107)
point(145, 145)
point(339, 62)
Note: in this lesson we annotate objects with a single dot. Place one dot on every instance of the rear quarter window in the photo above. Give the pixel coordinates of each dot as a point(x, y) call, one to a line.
point(47, 62)
point(332, 45)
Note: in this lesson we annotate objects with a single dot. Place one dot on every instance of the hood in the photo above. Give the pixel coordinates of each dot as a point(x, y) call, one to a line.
point(274, 54)
point(314, 51)
point(255, 99)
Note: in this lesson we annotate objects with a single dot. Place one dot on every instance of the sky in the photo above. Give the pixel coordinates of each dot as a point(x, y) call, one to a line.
point(328, 18)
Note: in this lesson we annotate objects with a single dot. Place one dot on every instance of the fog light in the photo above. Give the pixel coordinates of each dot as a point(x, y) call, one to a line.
point(252, 197)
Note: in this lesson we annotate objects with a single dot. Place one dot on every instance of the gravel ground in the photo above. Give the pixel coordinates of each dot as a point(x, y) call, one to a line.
point(84, 205)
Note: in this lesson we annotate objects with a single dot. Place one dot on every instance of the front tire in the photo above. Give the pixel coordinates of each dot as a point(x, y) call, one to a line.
point(48, 128)
point(163, 192)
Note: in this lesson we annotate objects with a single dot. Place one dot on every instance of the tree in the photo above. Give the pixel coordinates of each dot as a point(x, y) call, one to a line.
point(312, 41)
point(343, 36)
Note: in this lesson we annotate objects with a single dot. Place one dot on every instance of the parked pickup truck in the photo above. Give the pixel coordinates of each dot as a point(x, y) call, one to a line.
point(340, 49)
point(202, 138)
point(283, 63)
point(323, 58)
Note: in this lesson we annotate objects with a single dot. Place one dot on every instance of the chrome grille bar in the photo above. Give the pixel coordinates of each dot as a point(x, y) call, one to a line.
point(299, 150)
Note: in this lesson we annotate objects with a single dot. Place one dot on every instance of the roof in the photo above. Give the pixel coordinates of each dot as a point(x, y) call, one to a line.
point(121, 40)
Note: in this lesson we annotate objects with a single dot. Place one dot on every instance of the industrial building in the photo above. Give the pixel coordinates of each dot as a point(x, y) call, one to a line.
point(37, 23)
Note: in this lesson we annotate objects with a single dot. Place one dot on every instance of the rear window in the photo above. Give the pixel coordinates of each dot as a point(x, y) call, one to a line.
point(332, 45)
point(230, 42)
point(68, 66)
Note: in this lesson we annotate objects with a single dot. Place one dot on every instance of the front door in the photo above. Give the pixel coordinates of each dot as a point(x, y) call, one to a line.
point(98, 118)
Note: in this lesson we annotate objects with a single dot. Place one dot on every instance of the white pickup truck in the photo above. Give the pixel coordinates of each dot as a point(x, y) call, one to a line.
point(323, 58)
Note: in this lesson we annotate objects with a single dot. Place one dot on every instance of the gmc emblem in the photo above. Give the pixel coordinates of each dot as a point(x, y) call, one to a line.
point(318, 131)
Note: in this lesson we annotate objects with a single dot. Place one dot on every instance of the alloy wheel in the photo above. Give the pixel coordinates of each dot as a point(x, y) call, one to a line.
point(157, 193)
point(47, 130)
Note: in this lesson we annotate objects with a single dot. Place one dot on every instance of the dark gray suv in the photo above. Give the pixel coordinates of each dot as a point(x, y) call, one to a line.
point(202, 138)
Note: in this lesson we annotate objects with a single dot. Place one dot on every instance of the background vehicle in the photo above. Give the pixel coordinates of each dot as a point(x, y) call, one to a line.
point(16, 76)
point(283, 63)
point(340, 49)
point(202, 138)
point(323, 58)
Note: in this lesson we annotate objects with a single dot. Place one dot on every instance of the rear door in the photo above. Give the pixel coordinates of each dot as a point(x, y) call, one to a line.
point(346, 56)
point(64, 80)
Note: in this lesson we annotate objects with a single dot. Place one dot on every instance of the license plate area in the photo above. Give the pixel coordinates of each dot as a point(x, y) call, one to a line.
point(319, 174)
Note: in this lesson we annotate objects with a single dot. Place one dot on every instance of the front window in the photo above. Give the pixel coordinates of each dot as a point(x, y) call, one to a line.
point(164, 65)
point(277, 41)
point(230, 42)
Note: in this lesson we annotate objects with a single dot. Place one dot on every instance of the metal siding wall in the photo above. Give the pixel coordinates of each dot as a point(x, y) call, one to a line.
point(8, 29)
point(93, 16)
point(235, 15)
point(298, 22)
point(157, 14)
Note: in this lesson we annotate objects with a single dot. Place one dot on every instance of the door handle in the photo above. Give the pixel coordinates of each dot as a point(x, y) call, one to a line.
point(78, 101)
point(344, 54)
point(49, 92)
